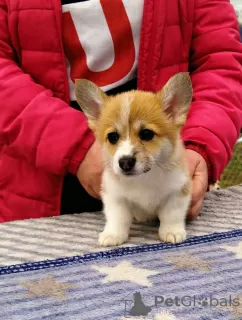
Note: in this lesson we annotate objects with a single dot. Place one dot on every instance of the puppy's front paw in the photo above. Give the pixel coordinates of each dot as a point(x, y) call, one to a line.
point(172, 234)
point(107, 239)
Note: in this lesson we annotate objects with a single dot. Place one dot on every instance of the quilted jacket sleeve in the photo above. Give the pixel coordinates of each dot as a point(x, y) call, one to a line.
point(34, 125)
point(215, 117)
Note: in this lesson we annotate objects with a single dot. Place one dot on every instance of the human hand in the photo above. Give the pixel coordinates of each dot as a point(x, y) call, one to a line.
point(90, 171)
point(199, 174)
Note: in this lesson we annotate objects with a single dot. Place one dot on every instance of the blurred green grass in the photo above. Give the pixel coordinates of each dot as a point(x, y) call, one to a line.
point(232, 174)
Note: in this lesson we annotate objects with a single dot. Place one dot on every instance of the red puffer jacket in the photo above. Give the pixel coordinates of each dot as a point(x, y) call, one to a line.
point(42, 138)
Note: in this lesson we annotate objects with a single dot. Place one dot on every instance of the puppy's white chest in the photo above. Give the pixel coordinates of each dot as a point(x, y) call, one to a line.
point(146, 192)
point(143, 195)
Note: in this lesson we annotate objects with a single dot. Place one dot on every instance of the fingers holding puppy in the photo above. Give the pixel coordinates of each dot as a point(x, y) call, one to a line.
point(90, 171)
point(199, 174)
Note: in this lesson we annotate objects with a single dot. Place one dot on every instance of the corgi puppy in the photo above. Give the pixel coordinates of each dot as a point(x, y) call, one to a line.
point(145, 171)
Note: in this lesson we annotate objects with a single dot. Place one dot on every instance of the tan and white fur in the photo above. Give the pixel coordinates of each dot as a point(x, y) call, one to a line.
point(145, 171)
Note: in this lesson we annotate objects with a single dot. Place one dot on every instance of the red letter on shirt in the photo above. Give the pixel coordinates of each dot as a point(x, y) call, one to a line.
point(124, 50)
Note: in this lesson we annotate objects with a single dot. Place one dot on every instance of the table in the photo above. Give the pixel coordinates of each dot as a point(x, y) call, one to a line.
point(70, 235)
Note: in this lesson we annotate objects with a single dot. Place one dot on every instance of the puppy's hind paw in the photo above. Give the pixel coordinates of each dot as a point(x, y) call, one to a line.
point(172, 234)
point(107, 239)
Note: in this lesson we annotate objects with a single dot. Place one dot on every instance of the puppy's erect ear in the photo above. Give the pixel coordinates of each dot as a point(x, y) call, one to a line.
point(176, 97)
point(90, 98)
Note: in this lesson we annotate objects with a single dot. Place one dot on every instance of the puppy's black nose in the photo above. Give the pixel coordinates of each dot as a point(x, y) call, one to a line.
point(127, 163)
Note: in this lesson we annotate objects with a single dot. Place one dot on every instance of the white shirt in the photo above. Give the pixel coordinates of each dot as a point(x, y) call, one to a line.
point(101, 41)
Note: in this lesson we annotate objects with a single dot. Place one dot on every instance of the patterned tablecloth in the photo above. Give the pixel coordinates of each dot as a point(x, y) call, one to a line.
point(53, 269)
point(70, 235)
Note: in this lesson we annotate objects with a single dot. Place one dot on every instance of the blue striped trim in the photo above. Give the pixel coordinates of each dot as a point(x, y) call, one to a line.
point(117, 252)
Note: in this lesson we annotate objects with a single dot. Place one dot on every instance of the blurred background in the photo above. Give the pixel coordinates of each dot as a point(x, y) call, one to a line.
point(233, 172)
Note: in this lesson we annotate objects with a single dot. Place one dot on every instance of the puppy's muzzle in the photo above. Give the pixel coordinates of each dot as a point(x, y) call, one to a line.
point(127, 164)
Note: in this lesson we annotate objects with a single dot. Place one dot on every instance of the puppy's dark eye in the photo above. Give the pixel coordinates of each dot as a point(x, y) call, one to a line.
point(113, 137)
point(146, 134)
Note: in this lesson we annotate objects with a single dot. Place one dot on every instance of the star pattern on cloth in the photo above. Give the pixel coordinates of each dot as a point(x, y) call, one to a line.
point(47, 286)
point(235, 309)
point(188, 261)
point(237, 249)
point(125, 271)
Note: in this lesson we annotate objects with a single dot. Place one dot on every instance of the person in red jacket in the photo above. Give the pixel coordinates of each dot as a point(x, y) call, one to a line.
point(49, 161)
